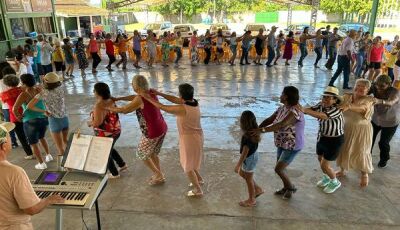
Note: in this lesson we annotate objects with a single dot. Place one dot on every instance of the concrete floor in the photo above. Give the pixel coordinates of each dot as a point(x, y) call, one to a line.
point(224, 92)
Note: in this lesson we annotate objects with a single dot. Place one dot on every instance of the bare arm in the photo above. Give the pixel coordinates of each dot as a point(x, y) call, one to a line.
point(393, 99)
point(170, 98)
point(18, 103)
point(98, 116)
point(243, 156)
point(32, 105)
point(125, 98)
point(43, 204)
point(316, 114)
point(135, 104)
point(289, 120)
point(178, 110)
point(268, 121)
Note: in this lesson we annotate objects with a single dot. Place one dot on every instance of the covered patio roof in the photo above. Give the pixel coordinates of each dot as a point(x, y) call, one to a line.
point(76, 8)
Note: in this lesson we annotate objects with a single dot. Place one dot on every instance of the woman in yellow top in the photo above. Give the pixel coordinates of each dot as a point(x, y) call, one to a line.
point(392, 59)
point(58, 59)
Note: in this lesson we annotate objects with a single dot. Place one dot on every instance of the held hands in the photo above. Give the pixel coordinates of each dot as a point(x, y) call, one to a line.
point(344, 107)
point(48, 114)
point(255, 132)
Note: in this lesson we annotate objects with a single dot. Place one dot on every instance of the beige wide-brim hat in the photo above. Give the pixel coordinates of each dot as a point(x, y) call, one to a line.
point(51, 78)
point(333, 92)
point(5, 128)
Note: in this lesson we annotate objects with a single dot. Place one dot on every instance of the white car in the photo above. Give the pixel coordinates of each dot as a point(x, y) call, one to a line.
point(186, 31)
point(255, 28)
point(225, 29)
point(157, 27)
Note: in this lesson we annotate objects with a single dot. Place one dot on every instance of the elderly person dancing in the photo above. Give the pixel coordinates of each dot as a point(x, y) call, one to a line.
point(355, 153)
point(386, 117)
point(152, 125)
point(187, 112)
point(287, 123)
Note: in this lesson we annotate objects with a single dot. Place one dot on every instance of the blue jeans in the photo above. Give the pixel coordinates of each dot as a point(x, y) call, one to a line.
point(360, 62)
point(318, 51)
point(57, 125)
point(343, 66)
point(245, 55)
point(332, 57)
point(178, 51)
point(325, 45)
point(6, 114)
point(250, 163)
point(391, 73)
point(285, 155)
point(35, 129)
point(304, 53)
point(271, 54)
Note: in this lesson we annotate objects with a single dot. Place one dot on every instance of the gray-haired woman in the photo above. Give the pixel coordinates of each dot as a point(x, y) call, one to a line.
point(386, 117)
point(152, 125)
point(357, 108)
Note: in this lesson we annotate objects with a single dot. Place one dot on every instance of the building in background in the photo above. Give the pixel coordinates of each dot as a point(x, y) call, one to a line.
point(78, 18)
point(21, 19)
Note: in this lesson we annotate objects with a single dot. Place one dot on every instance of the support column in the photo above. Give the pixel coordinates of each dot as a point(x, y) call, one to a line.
point(289, 15)
point(91, 24)
point(79, 26)
point(374, 13)
point(314, 13)
point(62, 22)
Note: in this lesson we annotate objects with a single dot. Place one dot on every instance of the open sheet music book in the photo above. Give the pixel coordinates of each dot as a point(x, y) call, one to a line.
point(88, 153)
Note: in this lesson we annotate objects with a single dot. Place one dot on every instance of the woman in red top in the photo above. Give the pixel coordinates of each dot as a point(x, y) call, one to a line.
point(94, 49)
point(374, 60)
point(9, 97)
point(110, 51)
point(151, 123)
point(288, 52)
point(106, 123)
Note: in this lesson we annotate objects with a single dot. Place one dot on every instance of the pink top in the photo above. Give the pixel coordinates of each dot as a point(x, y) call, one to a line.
point(193, 41)
point(93, 47)
point(190, 123)
point(376, 54)
point(151, 120)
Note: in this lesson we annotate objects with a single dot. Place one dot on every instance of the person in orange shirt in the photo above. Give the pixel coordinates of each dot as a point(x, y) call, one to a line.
point(121, 42)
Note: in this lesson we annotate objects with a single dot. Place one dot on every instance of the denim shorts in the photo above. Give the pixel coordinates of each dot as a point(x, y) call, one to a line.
point(57, 125)
point(35, 129)
point(250, 163)
point(285, 155)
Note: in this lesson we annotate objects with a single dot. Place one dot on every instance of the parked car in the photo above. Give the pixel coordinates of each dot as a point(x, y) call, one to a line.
point(353, 26)
point(225, 29)
point(255, 28)
point(298, 29)
point(157, 27)
point(186, 31)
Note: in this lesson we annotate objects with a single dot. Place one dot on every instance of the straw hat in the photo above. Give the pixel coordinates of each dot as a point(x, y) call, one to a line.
point(5, 128)
point(332, 91)
point(51, 78)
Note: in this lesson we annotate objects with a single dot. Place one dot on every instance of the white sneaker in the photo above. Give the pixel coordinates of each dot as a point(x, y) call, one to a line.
point(48, 158)
point(41, 166)
point(30, 157)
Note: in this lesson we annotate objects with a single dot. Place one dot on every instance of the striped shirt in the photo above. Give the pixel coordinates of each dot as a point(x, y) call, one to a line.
point(334, 125)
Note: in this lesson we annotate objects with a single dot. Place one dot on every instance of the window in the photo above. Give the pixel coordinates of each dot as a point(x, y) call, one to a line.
point(43, 25)
point(2, 35)
point(20, 27)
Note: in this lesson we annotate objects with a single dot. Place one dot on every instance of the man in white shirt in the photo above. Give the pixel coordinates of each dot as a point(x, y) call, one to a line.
point(344, 60)
point(18, 200)
point(46, 51)
point(271, 46)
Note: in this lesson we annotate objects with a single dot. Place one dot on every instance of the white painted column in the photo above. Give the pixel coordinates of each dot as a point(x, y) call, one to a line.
point(91, 24)
point(79, 26)
point(63, 32)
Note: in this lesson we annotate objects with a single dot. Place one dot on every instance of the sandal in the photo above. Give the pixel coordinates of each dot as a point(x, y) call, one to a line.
point(191, 193)
point(246, 204)
point(280, 192)
point(123, 168)
point(200, 183)
point(154, 181)
point(289, 192)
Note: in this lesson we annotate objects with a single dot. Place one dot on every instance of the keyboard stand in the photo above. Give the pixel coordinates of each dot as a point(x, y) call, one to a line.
point(59, 218)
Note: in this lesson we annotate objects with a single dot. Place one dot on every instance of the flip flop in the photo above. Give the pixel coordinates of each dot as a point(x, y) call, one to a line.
point(157, 181)
point(193, 194)
point(200, 182)
point(245, 204)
